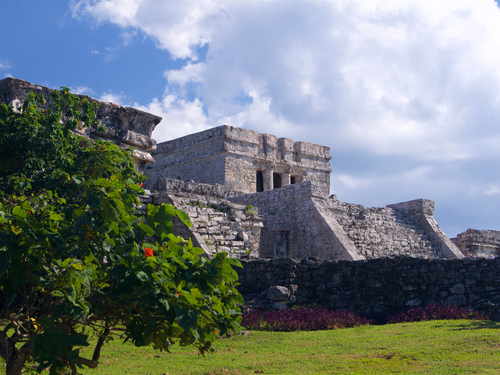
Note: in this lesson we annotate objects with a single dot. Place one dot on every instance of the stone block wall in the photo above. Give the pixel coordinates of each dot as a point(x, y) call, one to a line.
point(217, 225)
point(296, 224)
point(404, 229)
point(479, 243)
point(299, 222)
point(233, 157)
point(376, 286)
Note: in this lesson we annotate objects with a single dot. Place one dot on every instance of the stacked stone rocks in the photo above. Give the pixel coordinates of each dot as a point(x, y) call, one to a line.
point(479, 243)
point(217, 225)
point(375, 286)
point(382, 232)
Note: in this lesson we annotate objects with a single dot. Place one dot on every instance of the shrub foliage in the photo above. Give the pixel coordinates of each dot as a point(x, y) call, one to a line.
point(437, 311)
point(301, 318)
point(78, 260)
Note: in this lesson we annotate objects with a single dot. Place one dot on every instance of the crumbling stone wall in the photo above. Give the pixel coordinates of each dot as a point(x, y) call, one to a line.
point(299, 222)
point(296, 224)
point(404, 229)
point(217, 224)
point(479, 243)
point(375, 286)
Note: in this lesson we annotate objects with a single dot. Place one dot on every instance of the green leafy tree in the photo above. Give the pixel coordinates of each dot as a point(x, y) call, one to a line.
point(77, 260)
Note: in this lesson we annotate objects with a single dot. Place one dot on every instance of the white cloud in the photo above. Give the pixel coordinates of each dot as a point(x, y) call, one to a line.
point(179, 117)
point(82, 90)
point(179, 26)
point(111, 97)
point(416, 81)
point(189, 73)
point(394, 77)
point(4, 65)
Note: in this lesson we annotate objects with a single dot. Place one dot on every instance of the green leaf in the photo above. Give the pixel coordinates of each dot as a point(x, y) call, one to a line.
point(104, 182)
point(114, 227)
point(17, 272)
point(184, 217)
point(141, 275)
point(77, 340)
point(115, 258)
point(55, 216)
point(20, 212)
point(70, 292)
point(4, 260)
point(189, 297)
point(186, 319)
point(146, 228)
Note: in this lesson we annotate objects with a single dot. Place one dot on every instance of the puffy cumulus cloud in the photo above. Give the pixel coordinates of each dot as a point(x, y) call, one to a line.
point(179, 117)
point(179, 26)
point(405, 92)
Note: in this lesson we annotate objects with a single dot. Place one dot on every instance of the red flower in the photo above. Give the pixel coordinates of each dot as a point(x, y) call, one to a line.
point(148, 252)
point(179, 294)
point(215, 331)
point(140, 184)
point(29, 212)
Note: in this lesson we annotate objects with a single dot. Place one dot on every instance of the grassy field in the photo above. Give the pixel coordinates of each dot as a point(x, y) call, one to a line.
point(434, 347)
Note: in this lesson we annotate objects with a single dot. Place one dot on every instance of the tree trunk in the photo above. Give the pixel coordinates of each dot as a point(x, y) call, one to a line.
point(14, 367)
point(14, 358)
point(17, 360)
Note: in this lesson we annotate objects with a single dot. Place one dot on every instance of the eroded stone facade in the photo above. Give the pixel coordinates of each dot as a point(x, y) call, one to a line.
point(125, 126)
point(243, 160)
point(216, 224)
point(479, 243)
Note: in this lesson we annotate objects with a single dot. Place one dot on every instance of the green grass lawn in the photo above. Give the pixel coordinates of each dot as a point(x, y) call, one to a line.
point(434, 347)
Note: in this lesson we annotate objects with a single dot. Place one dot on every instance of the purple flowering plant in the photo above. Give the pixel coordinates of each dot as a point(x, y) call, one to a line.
point(301, 318)
point(437, 311)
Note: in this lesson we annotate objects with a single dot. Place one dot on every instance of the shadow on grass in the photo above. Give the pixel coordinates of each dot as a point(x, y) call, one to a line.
point(477, 324)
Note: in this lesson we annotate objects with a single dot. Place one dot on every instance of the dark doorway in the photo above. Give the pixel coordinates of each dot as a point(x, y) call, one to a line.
point(276, 180)
point(292, 180)
point(260, 182)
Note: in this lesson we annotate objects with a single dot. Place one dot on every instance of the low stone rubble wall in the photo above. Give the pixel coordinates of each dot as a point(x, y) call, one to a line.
point(375, 286)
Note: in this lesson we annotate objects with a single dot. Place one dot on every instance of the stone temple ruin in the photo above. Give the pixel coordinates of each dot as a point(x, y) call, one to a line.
point(258, 196)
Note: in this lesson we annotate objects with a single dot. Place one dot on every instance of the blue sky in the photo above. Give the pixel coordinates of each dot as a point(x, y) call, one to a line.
point(406, 93)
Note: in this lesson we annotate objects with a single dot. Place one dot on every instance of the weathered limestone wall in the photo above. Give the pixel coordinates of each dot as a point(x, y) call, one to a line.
point(404, 229)
point(479, 243)
point(300, 222)
point(375, 286)
point(232, 156)
point(125, 126)
point(297, 225)
point(217, 225)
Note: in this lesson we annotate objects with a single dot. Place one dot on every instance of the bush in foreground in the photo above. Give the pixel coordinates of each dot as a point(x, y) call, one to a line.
point(437, 311)
point(79, 262)
point(301, 318)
